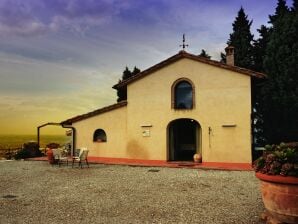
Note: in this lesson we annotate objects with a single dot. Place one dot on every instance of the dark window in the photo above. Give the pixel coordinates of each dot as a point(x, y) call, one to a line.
point(99, 136)
point(183, 95)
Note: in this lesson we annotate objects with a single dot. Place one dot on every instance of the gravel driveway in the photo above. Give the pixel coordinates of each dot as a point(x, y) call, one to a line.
point(36, 192)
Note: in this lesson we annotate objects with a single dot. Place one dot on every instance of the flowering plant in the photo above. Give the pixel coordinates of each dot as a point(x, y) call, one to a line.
point(279, 160)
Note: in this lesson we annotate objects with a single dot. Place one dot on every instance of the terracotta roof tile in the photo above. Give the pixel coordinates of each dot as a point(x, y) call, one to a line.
point(94, 113)
point(184, 54)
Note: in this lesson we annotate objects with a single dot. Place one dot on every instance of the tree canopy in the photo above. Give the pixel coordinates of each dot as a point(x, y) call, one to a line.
point(259, 48)
point(126, 74)
point(279, 95)
point(275, 52)
point(204, 54)
point(241, 39)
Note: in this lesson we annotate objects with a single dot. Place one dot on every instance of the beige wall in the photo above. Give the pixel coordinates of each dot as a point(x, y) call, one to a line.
point(114, 124)
point(222, 97)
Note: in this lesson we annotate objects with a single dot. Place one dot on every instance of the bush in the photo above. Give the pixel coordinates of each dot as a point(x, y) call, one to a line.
point(22, 154)
point(279, 160)
point(30, 149)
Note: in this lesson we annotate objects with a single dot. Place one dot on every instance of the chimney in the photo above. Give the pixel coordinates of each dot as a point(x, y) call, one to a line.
point(230, 55)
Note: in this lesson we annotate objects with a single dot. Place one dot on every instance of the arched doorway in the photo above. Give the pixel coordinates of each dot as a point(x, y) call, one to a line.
point(184, 139)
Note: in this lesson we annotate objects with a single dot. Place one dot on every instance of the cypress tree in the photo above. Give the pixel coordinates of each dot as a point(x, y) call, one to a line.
point(223, 58)
point(279, 101)
point(241, 39)
point(259, 48)
point(126, 73)
point(135, 71)
point(280, 11)
point(122, 92)
point(259, 51)
point(295, 5)
point(204, 54)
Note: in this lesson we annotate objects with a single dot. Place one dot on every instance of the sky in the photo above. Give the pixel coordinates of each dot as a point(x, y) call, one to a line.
point(60, 58)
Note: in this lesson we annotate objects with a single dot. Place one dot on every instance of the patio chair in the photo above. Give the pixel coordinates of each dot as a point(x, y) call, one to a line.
point(83, 156)
point(58, 158)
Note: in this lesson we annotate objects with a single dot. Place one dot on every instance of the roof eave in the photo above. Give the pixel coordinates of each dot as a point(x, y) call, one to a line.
point(93, 113)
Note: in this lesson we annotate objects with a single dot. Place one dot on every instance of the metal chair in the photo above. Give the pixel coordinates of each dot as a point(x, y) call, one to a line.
point(58, 158)
point(83, 156)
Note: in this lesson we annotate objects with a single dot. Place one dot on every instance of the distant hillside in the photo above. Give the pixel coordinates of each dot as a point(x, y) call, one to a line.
point(16, 141)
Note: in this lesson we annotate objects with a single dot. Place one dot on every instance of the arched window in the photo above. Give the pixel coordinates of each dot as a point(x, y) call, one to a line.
point(183, 95)
point(99, 136)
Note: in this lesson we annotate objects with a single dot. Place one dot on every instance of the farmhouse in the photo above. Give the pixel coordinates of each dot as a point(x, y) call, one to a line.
point(182, 106)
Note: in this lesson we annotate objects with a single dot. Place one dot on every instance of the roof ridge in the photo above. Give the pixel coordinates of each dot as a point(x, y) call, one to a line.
point(184, 54)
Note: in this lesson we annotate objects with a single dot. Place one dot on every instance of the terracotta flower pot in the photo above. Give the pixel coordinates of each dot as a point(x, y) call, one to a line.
point(197, 158)
point(280, 197)
point(50, 156)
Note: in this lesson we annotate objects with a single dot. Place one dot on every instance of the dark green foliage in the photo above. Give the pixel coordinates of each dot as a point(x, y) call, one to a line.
point(135, 71)
point(223, 58)
point(126, 74)
point(280, 11)
point(30, 149)
point(241, 39)
point(260, 46)
point(279, 95)
point(259, 52)
point(122, 92)
point(295, 5)
point(22, 154)
point(204, 54)
point(275, 101)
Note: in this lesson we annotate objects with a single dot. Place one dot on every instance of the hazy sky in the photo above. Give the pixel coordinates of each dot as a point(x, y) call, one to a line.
point(60, 58)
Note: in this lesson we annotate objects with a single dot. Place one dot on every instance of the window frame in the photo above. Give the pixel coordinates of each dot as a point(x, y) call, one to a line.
point(96, 137)
point(173, 93)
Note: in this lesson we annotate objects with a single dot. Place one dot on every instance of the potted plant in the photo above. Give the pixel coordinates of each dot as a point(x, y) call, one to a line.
point(278, 171)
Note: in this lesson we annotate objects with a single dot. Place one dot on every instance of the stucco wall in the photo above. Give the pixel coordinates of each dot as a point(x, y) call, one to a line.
point(221, 97)
point(114, 124)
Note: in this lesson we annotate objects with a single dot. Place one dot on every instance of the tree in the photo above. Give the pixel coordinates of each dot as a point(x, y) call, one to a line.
point(135, 71)
point(223, 58)
point(279, 95)
point(259, 48)
point(204, 54)
point(259, 51)
point(126, 74)
point(241, 39)
point(122, 92)
point(295, 6)
point(280, 11)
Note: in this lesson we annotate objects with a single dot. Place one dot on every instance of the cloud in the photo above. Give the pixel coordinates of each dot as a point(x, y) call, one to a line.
point(16, 19)
point(36, 17)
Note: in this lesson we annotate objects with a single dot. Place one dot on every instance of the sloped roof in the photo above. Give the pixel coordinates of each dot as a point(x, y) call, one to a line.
point(94, 113)
point(176, 57)
point(184, 54)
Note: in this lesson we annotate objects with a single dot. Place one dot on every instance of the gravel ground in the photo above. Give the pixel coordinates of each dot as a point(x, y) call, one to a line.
point(36, 192)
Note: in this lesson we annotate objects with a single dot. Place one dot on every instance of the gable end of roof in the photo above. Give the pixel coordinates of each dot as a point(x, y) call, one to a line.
point(184, 54)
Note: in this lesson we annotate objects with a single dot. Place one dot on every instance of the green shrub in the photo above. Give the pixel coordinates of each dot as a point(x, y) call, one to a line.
point(22, 154)
point(30, 149)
